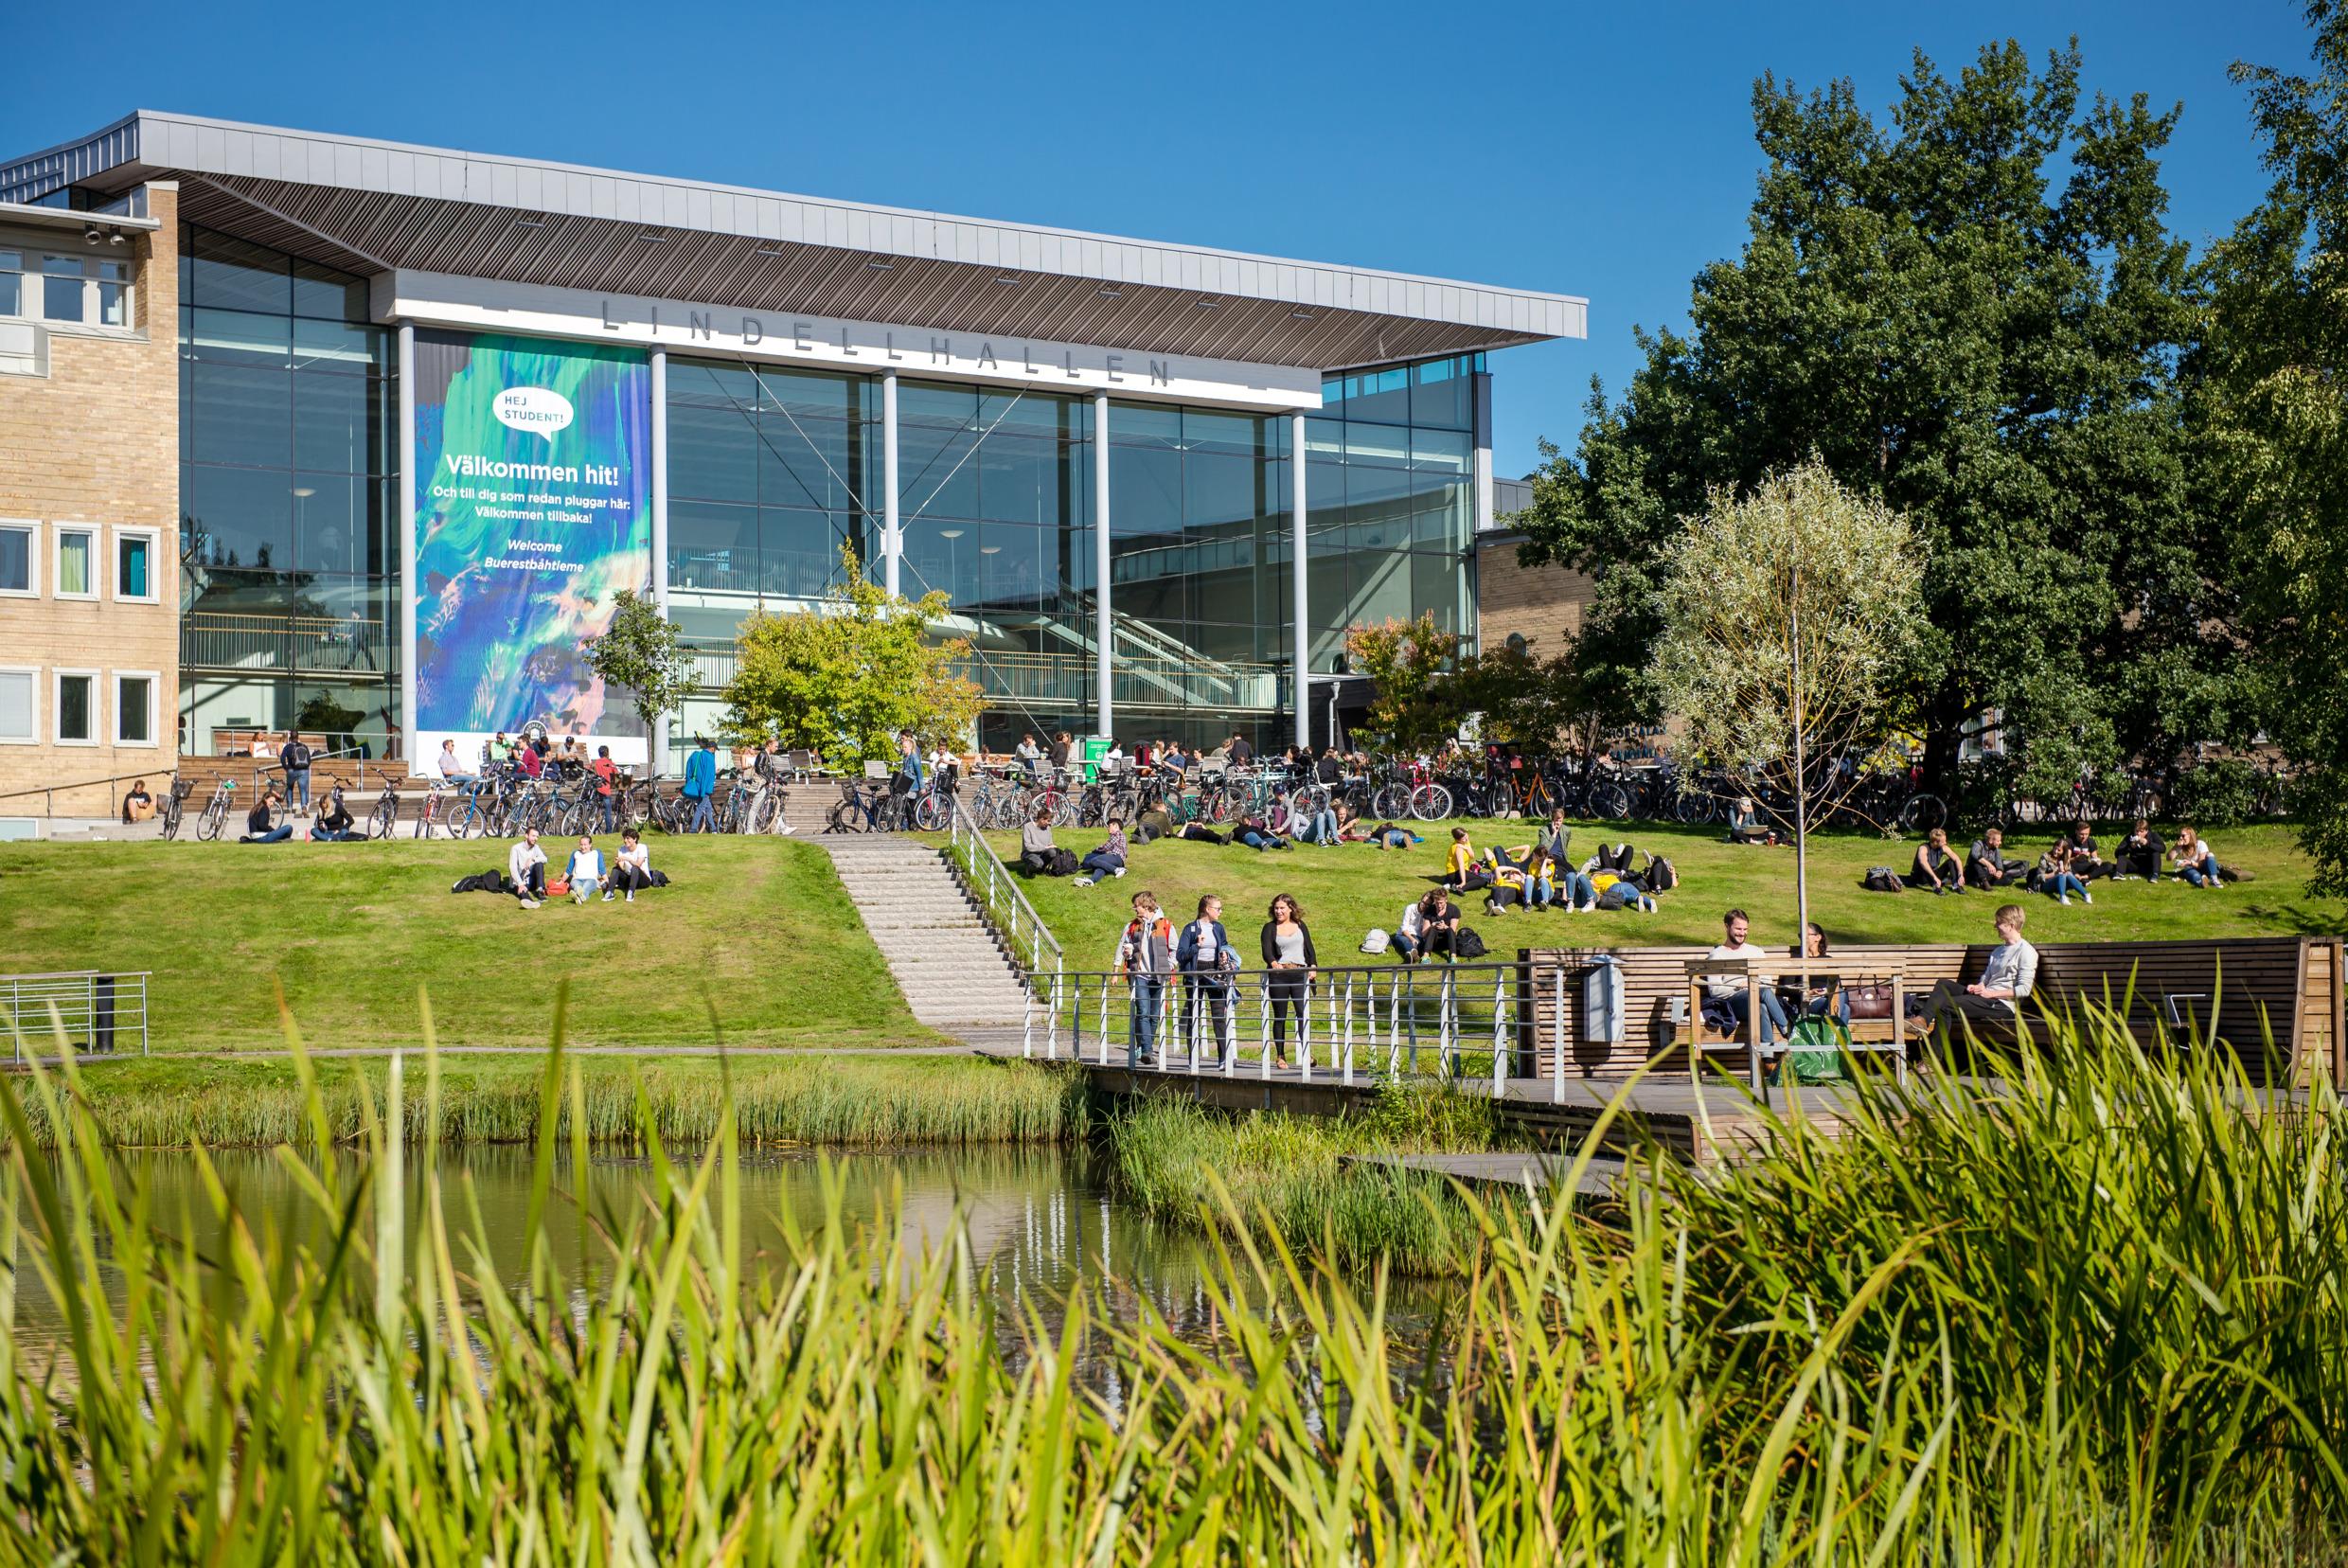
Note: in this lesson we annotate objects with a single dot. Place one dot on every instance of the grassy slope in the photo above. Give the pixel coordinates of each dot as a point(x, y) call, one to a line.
point(1347, 889)
point(163, 1102)
point(756, 932)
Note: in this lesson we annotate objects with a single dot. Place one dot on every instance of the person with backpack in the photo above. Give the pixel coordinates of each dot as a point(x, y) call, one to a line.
point(1036, 849)
point(1289, 961)
point(1145, 958)
point(296, 757)
point(1204, 957)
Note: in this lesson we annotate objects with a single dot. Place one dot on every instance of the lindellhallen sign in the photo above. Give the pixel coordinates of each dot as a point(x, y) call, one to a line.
point(487, 305)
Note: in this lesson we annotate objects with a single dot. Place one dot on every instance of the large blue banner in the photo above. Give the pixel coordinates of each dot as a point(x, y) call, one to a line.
point(532, 474)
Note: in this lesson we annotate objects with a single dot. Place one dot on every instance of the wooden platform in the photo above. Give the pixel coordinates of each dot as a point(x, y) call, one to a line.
point(1514, 1173)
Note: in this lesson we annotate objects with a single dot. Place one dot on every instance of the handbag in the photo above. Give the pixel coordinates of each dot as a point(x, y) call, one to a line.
point(1869, 1000)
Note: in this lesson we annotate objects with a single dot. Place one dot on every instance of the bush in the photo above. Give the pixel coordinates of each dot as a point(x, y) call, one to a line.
point(2216, 794)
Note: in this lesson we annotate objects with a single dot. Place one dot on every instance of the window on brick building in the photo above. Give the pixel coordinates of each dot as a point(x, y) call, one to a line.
point(76, 707)
point(77, 562)
point(19, 707)
point(12, 283)
point(17, 555)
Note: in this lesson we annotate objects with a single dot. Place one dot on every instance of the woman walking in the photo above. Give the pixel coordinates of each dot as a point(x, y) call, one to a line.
point(1290, 958)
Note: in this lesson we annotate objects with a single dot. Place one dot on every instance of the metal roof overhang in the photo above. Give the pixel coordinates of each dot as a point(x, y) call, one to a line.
point(371, 206)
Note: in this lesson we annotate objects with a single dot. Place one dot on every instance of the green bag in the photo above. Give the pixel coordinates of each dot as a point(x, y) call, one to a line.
point(1814, 1053)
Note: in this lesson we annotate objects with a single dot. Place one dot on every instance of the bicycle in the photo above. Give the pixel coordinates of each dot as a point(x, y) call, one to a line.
point(175, 807)
point(216, 810)
point(387, 813)
point(428, 815)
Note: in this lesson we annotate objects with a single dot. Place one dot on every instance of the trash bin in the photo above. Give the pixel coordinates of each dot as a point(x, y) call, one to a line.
point(102, 1013)
point(1095, 747)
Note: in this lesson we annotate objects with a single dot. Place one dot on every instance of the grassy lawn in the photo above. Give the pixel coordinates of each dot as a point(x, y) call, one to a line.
point(1350, 888)
point(756, 939)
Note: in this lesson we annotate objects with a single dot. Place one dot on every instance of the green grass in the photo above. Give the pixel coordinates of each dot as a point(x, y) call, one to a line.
point(1277, 1175)
point(1347, 889)
point(847, 1101)
point(2092, 1318)
point(757, 943)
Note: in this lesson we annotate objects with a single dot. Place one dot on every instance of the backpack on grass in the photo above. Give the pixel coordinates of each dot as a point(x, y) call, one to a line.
point(487, 881)
point(1065, 864)
point(1880, 879)
point(1469, 943)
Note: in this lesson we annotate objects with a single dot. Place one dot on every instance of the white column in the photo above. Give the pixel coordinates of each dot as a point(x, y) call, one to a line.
point(1299, 598)
point(891, 541)
point(657, 741)
point(1100, 556)
point(407, 543)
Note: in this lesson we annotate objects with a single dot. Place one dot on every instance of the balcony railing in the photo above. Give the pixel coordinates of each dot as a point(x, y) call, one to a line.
point(214, 640)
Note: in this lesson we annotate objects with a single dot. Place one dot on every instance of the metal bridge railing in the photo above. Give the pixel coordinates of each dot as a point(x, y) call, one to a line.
point(94, 1011)
point(1005, 907)
point(1347, 1025)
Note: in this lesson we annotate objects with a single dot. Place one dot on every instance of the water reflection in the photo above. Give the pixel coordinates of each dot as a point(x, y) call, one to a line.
point(1039, 1221)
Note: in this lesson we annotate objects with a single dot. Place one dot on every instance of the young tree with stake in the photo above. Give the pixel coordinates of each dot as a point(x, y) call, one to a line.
point(1789, 616)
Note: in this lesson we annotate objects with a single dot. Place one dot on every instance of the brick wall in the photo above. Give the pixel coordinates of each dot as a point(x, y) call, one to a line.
point(1543, 604)
point(96, 443)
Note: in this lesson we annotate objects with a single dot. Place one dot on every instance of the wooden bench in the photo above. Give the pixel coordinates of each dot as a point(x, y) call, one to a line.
point(1890, 1035)
point(2291, 985)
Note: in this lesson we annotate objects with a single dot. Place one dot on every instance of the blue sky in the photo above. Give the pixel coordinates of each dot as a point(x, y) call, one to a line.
point(1603, 152)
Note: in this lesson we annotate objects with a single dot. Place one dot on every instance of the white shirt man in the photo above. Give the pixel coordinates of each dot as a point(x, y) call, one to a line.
point(1732, 991)
point(525, 868)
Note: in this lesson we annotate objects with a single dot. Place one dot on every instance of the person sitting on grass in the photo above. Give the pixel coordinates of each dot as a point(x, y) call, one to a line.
point(1108, 859)
point(1429, 927)
point(2139, 854)
point(1256, 834)
point(525, 868)
point(1988, 866)
point(1745, 823)
point(1997, 996)
point(1035, 848)
point(585, 871)
point(2195, 860)
point(257, 828)
point(1729, 994)
point(635, 870)
point(138, 804)
point(1461, 873)
point(335, 823)
point(1936, 865)
point(2087, 864)
point(2055, 877)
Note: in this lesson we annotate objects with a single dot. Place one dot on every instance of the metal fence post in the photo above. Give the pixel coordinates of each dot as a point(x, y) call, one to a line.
point(1556, 1062)
point(1500, 1063)
point(1263, 1027)
point(1344, 1070)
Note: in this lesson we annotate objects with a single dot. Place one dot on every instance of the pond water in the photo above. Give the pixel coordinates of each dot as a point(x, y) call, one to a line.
point(1039, 1221)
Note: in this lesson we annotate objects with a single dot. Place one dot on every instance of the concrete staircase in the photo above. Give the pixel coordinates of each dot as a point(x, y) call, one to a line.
point(947, 959)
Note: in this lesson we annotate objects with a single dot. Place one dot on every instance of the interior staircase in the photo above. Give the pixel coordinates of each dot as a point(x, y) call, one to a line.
point(954, 971)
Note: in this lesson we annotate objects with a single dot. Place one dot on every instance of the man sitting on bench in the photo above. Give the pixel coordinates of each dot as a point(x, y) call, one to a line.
point(1997, 996)
point(1728, 992)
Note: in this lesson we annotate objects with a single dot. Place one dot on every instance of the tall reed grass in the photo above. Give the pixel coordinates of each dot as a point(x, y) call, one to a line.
point(845, 1102)
point(2094, 1317)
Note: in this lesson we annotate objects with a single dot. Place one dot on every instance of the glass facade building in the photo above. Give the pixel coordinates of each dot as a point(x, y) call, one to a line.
point(289, 552)
point(773, 471)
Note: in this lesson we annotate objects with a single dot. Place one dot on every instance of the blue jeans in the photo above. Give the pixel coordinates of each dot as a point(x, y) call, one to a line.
point(297, 786)
point(1322, 828)
point(1149, 991)
point(278, 834)
point(1254, 839)
point(1101, 864)
point(1577, 890)
point(704, 816)
point(1774, 1019)
point(1818, 1008)
point(461, 781)
point(2062, 884)
point(604, 806)
point(2202, 874)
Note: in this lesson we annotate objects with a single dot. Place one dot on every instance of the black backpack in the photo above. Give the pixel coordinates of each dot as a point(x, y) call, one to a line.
point(1467, 943)
point(1880, 879)
point(488, 881)
point(1661, 876)
point(1065, 864)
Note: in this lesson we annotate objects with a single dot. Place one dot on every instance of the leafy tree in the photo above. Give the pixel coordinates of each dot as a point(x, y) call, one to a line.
point(1532, 702)
point(1976, 314)
point(644, 652)
point(1417, 707)
point(2277, 398)
point(1786, 616)
point(845, 677)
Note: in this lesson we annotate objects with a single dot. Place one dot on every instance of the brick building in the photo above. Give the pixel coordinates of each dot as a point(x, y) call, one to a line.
point(89, 503)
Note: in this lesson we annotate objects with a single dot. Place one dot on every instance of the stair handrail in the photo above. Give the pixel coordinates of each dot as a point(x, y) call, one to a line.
point(1006, 908)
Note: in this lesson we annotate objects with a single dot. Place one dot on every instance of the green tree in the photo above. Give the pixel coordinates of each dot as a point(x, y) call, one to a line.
point(1532, 702)
point(1788, 614)
point(643, 651)
point(2276, 390)
point(1417, 705)
point(845, 677)
point(1975, 313)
